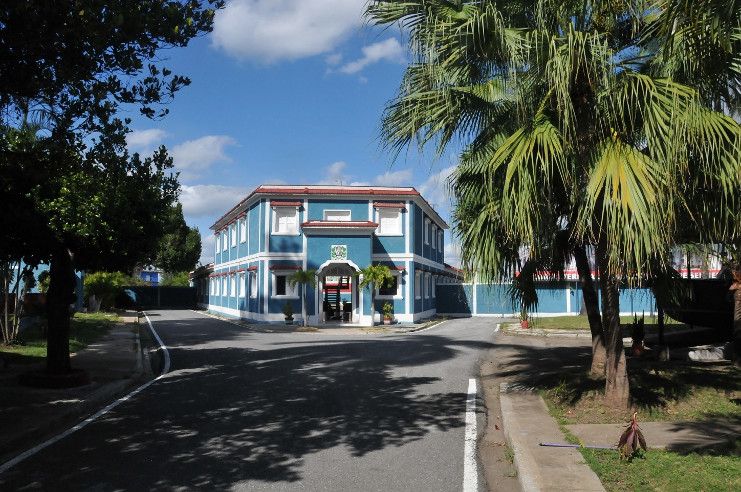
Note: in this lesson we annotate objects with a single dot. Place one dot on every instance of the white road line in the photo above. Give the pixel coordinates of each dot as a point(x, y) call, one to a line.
point(9, 464)
point(470, 470)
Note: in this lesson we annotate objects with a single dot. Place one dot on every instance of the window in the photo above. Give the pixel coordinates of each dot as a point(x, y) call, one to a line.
point(223, 286)
point(233, 285)
point(389, 222)
point(426, 231)
point(217, 283)
point(417, 285)
point(434, 236)
point(285, 220)
point(392, 289)
point(243, 229)
point(223, 240)
point(281, 286)
point(337, 215)
point(440, 239)
point(426, 282)
point(253, 285)
point(242, 285)
point(218, 241)
point(212, 285)
point(233, 231)
point(434, 283)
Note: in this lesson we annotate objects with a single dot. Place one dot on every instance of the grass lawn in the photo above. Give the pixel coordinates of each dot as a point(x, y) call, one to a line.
point(85, 328)
point(582, 323)
point(662, 391)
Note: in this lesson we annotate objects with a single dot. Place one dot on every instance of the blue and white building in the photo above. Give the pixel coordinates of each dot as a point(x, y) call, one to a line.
point(336, 231)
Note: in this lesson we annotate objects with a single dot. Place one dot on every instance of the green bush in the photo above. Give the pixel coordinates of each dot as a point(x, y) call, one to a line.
point(106, 287)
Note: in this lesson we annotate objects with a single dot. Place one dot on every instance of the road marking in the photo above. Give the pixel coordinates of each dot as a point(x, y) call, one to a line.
point(9, 464)
point(470, 470)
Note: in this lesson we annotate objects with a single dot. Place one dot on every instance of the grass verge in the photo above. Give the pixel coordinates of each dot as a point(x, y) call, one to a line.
point(85, 328)
point(662, 391)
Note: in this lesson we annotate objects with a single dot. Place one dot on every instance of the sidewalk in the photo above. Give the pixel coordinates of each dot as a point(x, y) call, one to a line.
point(30, 415)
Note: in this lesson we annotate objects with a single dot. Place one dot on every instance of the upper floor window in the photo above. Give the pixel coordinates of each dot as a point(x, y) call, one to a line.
point(285, 220)
point(223, 240)
point(389, 222)
point(218, 241)
point(440, 239)
point(337, 215)
point(434, 237)
point(243, 229)
point(233, 230)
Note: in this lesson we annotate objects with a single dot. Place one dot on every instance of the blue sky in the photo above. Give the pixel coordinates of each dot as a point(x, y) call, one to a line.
point(285, 92)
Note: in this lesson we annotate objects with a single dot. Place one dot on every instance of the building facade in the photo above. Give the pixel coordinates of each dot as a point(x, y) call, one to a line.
point(335, 231)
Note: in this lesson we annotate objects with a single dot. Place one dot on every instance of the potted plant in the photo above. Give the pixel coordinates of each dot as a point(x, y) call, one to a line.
point(288, 312)
point(637, 333)
point(524, 323)
point(388, 313)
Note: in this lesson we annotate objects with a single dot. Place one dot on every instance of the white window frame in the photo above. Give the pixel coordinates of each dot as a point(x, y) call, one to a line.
point(218, 286)
point(397, 295)
point(291, 292)
point(224, 292)
point(212, 286)
point(426, 232)
point(383, 216)
point(233, 234)
point(243, 230)
point(242, 285)
point(233, 285)
point(279, 212)
point(253, 285)
point(433, 237)
point(418, 285)
point(223, 240)
point(434, 290)
point(342, 215)
point(440, 240)
point(218, 243)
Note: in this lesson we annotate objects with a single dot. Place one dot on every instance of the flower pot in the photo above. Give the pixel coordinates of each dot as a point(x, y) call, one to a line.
point(386, 321)
point(638, 348)
point(289, 321)
point(525, 324)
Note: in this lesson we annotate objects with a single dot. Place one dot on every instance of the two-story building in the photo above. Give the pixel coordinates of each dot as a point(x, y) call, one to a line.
point(335, 231)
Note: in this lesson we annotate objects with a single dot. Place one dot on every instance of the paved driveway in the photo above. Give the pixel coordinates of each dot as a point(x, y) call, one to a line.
point(281, 411)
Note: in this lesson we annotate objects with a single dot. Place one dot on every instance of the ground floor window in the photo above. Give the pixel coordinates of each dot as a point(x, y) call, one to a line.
point(282, 287)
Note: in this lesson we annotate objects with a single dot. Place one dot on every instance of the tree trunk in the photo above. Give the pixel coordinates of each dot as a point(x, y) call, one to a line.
point(591, 303)
point(736, 347)
point(617, 386)
point(60, 295)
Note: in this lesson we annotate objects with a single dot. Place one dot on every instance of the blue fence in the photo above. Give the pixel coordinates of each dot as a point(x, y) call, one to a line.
point(554, 299)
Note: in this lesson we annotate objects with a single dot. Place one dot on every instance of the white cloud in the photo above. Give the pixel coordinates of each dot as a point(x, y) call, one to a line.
point(396, 178)
point(194, 156)
point(333, 59)
point(389, 50)
point(435, 189)
point(334, 174)
point(270, 31)
point(208, 243)
point(210, 200)
point(144, 141)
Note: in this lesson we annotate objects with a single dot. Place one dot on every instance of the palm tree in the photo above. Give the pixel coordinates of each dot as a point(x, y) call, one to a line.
point(570, 130)
point(372, 276)
point(303, 277)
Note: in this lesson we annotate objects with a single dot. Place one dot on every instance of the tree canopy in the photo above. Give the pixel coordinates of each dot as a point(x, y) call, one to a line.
point(72, 194)
point(596, 124)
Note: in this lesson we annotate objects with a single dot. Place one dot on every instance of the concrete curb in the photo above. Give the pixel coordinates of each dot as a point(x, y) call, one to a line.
point(526, 424)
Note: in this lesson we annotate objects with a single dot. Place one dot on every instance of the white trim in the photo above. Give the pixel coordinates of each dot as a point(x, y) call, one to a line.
point(295, 228)
point(291, 292)
point(324, 265)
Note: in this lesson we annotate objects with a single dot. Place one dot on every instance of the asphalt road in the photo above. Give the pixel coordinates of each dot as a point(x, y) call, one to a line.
point(281, 411)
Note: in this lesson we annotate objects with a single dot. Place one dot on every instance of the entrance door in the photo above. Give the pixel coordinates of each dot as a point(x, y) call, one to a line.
point(338, 297)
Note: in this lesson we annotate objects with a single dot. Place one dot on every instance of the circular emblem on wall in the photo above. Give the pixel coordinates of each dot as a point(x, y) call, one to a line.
point(339, 252)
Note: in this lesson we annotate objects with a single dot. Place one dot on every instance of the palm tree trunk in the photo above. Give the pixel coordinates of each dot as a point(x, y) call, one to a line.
point(58, 298)
point(617, 386)
point(591, 303)
point(736, 346)
point(303, 304)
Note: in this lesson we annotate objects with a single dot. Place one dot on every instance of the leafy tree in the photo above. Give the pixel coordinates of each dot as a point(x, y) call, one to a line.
point(175, 279)
point(73, 195)
point(43, 283)
point(581, 128)
point(371, 277)
point(16, 280)
point(305, 278)
point(180, 247)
